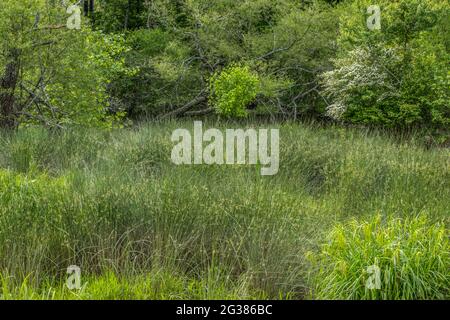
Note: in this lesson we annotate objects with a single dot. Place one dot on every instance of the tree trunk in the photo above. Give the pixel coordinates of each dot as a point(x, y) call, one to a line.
point(8, 84)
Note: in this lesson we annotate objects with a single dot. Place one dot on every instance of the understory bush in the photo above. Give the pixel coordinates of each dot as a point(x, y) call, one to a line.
point(233, 90)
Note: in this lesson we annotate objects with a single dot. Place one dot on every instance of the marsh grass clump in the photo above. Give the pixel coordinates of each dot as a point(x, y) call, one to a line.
point(411, 254)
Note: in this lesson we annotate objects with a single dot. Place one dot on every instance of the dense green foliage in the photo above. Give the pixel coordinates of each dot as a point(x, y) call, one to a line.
point(233, 90)
point(52, 75)
point(312, 58)
point(184, 43)
point(114, 202)
point(412, 256)
point(156, 58)
point(398, 75)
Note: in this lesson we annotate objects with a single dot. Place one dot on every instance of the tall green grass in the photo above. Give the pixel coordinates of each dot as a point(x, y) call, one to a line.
point(412, 256)
point(113, 203)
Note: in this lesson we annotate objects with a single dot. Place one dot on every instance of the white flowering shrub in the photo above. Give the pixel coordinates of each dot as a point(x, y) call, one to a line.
point(361, 79)
point(395, 75)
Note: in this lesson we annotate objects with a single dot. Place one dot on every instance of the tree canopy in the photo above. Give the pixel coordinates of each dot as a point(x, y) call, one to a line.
point(161, 58)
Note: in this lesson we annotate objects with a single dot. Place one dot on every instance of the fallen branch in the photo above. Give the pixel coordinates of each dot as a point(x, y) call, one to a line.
point(199, 99)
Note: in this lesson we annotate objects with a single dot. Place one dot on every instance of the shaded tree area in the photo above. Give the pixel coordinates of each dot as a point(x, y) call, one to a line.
point(51, 75)
point(311, 58)
point(8, 84)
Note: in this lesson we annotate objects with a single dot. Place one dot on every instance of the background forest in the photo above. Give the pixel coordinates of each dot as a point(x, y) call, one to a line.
point(288, 59)
point(86, 178)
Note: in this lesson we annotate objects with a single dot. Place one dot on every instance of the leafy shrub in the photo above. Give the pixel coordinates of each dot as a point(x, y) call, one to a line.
point(360, 85)
point(233, 89)
point(412, 256)
point(64, 75)
point(81, 90)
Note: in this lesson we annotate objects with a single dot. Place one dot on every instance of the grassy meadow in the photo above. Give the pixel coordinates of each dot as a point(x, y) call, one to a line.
point(140, 227)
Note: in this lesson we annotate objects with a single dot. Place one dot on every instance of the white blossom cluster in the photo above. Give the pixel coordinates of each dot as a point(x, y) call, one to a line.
point(361, 69)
